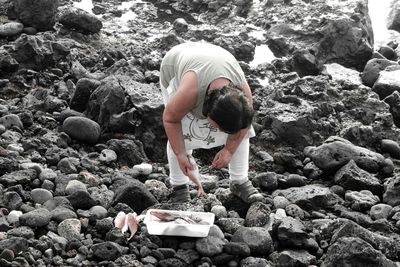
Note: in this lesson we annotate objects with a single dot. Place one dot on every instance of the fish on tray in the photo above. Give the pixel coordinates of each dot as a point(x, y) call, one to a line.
point(164, 216)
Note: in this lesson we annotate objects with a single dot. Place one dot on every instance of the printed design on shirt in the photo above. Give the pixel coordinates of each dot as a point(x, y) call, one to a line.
point(199, 129)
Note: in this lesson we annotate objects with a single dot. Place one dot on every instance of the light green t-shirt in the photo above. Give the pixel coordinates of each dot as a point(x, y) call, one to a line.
point(208, 61)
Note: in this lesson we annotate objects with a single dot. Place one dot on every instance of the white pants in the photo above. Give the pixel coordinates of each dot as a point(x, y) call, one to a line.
point(199, 134)
point(238, 166)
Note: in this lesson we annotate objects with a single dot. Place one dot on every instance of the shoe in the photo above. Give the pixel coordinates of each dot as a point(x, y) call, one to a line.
point(246, 191)
point(180, 194)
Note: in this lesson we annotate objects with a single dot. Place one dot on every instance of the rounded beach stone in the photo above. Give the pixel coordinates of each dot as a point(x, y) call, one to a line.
point(82, 129)
point(74, 186)
point(40, 195)
point(257, 238)
point(11, 28)
point(380, 211)
point(280, 202)
point(11, 120)
point(70, 229)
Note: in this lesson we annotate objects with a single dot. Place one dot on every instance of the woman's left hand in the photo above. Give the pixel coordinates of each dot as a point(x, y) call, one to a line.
point(221, 159)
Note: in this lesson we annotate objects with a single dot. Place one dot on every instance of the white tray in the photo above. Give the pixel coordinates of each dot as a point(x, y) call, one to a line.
point(155, 227)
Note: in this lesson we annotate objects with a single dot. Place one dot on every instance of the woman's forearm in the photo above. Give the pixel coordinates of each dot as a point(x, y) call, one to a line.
point(175, 136)
point(234, 140)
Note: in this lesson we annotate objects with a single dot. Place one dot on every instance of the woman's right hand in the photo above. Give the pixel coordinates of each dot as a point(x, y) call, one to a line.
point(184, 163)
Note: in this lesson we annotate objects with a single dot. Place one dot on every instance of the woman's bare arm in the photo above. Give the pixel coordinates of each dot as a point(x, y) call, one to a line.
point(179, 105)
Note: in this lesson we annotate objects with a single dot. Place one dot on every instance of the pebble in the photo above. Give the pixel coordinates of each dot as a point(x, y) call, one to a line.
point(40, 195)
point(280, 214)
point(48, 185)
point(11, 28)
point(70, 229)
point(257, 238)
point(267, 181)
point(3, 108)
point(60, 214)
point(82, 129)
point(159, 190)
point(338, 190)
point(280, 202)
point(391, 147)
point(12, 200)
point(75, 186)
point(98, 212)
point(22, 231)
point(149, 260)
point(219, 211)
point(230, 225)
point(107, 250)
point(13, 216)
point(143, 168)
point(108, 156)
point(35, 218)
point(257, 214)
point(396, 216)
point(30, 30)
point(180, 25)
point(295, 180)
point(212, 244)
point(380, 211)
point(237, 248)
point(7, 254)
point(11, 120)
point(89, 179)
point(16, 148)
point(361, 200)
point(47, 174)
point(4, 224)
point(294, 211)
point(68, 165)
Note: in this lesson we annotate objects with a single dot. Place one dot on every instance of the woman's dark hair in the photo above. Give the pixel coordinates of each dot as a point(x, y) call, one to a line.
point(229, 108)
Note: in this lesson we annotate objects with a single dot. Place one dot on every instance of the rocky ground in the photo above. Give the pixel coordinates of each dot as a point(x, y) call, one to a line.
point(82, 138)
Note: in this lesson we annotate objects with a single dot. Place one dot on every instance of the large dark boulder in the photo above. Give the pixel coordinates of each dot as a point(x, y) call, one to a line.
point(353, 251)
point(4, 6)
point(387, 82)
point(393, 21)
point(11, 29)
point(108, 99)
point(344, 228)
point(257, 238)
point(37, 53)
point(80, 97)
point(341, 32)
point(40, 14)
point(337, 152)
point(123, 105)
point(135, 194)
point(16, 244)
point(391, 195)
point(129, 152)
point(347, 41)
point(309, 196)
point(372, 69)
point(82, 129)
point(8, 64)
point(80, 20)
point(352, 177)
